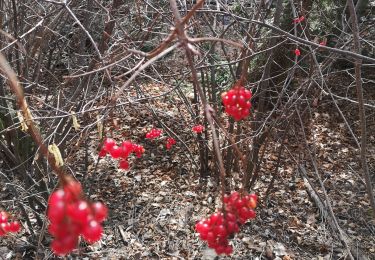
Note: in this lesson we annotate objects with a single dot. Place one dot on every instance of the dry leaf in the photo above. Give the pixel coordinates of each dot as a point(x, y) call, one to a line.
point(53, 149)
point(76, 125)
point(100, 127)
point(24, 126)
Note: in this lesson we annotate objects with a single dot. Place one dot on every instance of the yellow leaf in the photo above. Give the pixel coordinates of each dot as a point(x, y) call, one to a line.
point(52, 148)
point(24, 126)
point(76, 125)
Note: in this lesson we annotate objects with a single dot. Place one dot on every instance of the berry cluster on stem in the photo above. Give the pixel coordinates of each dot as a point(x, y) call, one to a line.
point(298, 19)
point(297, 52)
point(198, 129)
point(7, 226)
point(121, 151)
point(71, 216)
point(237, 102)
point(238, 208)
point(170, 142)
point(154, 133)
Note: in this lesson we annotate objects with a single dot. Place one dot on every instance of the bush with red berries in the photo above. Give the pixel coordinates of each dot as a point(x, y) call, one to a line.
point(237, 102)
point(237, 209)
point(71, 216)
point(7, 226)
point(121, 151)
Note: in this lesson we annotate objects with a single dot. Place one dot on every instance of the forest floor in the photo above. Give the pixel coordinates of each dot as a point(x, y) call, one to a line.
point(154, 206)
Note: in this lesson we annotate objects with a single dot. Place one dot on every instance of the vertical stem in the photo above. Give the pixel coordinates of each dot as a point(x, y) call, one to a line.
point(207, 108)
point(362, 116)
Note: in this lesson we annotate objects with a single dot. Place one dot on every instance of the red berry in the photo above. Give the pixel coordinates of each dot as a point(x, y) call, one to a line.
point(240, 203)
point(251, 214)
point(5, 227)
point(124, 164)
point(247, 94)
point(230, 217)
point(102, 153)
point(100, 211)
point(202, 227)
point(216, 219)
point(241, 101)
point(64, 246)
point(56, 211)
point(79, 211)
point(126, 149)
point(115, 152)
point(220, 231)
point(3, 217)
point(92, 232)
point(56, 230)
point(14, 226)
point(232, 227)
point(108, 144)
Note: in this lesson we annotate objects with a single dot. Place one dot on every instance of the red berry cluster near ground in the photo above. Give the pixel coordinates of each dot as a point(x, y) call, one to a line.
point(237, 102)
point(154, 133)
point(71, 216)
point(220, 226)
point(297, 52)
point(121, 151)
point(6, 226)
point(298, 19)
point(170, 142)
point(198, 129)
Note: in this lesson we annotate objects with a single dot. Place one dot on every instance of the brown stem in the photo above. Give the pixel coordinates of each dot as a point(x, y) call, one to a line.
point(208, 109)
point(362, 116)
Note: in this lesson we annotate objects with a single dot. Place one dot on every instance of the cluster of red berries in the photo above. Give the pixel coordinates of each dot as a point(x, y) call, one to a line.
point(154, 133)
point(237, 102)
point(5, 226)
point(298, 19)
point(121, 152)
point(297, 52)
point(219, 226)
point(170, 142)
point(198, 128)
point(72, 216)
